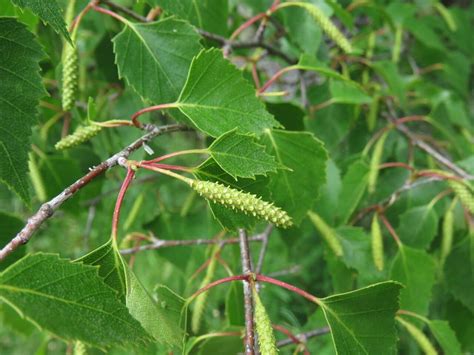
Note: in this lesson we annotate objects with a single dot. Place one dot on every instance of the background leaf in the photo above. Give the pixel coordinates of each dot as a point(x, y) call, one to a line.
point(415, 269)
point(49, 12)
point(362, 321)
point(306, 158)
point(209, 15)
point(20, 91)
point(418, 226)
point(153, 316)
point(155, 57)
point(459, 271)
point(51, 292)
point(217, 99)
point(239, 155)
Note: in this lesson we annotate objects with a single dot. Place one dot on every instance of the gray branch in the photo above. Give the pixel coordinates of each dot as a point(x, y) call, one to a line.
point(47, 209)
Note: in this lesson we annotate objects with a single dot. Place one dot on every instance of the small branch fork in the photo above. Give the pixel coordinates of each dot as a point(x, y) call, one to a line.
point(248, 297)
point(48, 208)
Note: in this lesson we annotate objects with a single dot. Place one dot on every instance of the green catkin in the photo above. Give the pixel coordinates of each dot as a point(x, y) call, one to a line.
point(325, 23)
point(397, 45)
point(263, 325)
point(464, 193)
point(70, 61)
point(327, 233)
point(377, 243)
point(245, 202)
point(373, 113)
point(200, 301)
point(375, 162)
point(80, 135)
point(447, 241)
point(423, 342)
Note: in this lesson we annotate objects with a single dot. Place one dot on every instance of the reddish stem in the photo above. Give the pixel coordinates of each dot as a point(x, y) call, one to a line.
point(295, 289)
point(247, 24)
point(174, 154)
point(290, 335)
point(409, 119)
point(285, 331)
point(255, 77)
point(396, 165)
point(437, 175)
point(218, 282)
point(109, 12)
point(390, 229)
point(118, 204)
point(75, 23)
point(273, 79)
point(149, 109)
point(163, 166)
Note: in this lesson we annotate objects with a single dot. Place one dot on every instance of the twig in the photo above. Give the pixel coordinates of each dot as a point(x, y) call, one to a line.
point(47, 209)
point(390, 200)
point(247, 44)
point(248, 297)
point(391, 116)
point(212, 36)
point(174, 243)
point(124, 10)
point(304, 336)
point(265, 235)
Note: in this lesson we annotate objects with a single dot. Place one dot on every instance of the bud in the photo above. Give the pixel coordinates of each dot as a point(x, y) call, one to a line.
point(242, 201)
point(80, 135)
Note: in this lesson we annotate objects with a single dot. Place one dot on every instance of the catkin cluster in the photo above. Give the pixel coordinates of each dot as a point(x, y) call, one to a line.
point(464, 193)
point(328, 27)
point(70, 61)
point(80, 135)
point(70, 76)
point(242, 201)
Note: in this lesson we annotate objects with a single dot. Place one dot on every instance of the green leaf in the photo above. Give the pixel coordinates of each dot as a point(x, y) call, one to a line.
point(363, 321)
point(209, 15)
point(217, 99)
point(305, 158)
point(346, 92)
point(415, 269)
point(68, 299)
point(459, 272)
point(445, 336)
point(154, 318)
point(20, 91)
point(155, 57)
point(389, 72)
point(49, 12)
point(239, 155)
point(354, 184)
point(357, 253)
point(110, 267)
point(418, 226)
point(11, 225)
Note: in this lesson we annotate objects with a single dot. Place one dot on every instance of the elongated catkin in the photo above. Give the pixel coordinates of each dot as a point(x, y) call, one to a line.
point(245, 202)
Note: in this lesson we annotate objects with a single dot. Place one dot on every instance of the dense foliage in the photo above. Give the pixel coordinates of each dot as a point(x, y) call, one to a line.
point(216, 177)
